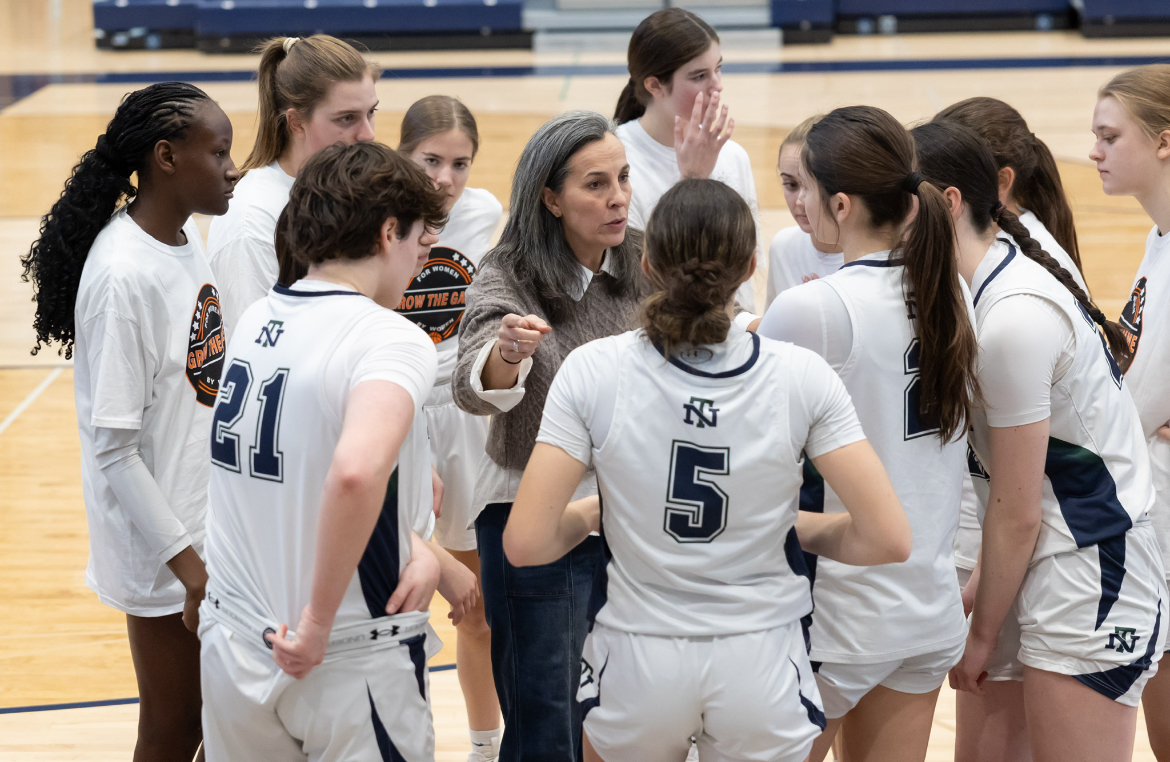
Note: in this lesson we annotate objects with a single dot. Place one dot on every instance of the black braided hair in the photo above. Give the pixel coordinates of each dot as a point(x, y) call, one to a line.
point(1010, 224)
point(952, 155)
point(99, 182)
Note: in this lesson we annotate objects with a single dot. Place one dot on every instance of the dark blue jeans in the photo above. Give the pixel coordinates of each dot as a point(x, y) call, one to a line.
point(538, 617)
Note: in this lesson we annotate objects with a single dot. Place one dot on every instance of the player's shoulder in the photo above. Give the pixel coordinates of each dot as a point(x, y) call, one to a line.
point(602, 357)
point(481, 201)
point(785, 239)
point(260, 197)
point(734, 152)
point(802, 366)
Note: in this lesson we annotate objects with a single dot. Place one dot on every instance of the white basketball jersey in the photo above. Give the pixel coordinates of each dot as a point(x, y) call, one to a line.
point(276, 426)
point(867, 614)
point(700, 478)
point(1097, 472)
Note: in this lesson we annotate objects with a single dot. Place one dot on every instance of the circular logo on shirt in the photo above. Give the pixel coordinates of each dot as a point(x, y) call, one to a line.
point(205, 346)
point(1131, 316)
point(436, 298)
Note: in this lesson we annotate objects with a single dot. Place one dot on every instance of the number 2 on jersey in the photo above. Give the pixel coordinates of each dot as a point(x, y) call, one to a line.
point(697, 508)
point(265, 460)
point(912, 401)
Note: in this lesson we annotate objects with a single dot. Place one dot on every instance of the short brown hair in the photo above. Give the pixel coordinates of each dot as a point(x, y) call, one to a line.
point(342, 196)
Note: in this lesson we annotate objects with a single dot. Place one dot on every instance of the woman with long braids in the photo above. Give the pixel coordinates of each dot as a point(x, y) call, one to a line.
point(1068, 550)
point(893, 322)
point(127, 290)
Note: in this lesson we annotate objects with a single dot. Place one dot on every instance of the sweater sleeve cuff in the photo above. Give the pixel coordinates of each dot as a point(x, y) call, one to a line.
point(501, 399)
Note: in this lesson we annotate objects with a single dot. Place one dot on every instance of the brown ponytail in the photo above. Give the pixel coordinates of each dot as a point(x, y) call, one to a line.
point(660, 46)
point(951, 155)
point(700, 243)
point(297, 73)
point(864, 152)
point(1037, 186)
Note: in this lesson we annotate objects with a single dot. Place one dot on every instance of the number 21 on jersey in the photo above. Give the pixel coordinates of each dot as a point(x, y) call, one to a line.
point(265, 460)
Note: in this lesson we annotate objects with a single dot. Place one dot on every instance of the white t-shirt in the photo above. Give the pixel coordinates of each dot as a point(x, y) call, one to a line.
point(856, 319)
point(296, 357)
point(1145, 320)
point(435, 299)
point(148, 356)
point(726, 428)
point(242, 243)
point(654, 171)
point(792, 258)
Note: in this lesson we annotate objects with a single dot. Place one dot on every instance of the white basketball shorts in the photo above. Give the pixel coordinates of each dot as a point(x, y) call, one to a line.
point(842, 686)
point(458, 440)
point(1098, 614)
point(742, 697)
point(367, 704)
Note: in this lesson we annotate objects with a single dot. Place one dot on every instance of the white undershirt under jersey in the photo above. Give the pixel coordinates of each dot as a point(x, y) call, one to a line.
point(242, 243)
point(289, 371)
point(435, 299)
point(856, 319)
point(654, 171)
point(149, 350)
point(1041, 235)
point(724, 428)
point(792, 259)
point(1145, 318)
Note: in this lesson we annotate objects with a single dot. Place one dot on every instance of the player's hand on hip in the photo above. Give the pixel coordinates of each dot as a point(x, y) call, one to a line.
point(520, 336)
point(459, 587)
point(969, 674)
point(418, 581)
point(698, 140)
point(306, 649)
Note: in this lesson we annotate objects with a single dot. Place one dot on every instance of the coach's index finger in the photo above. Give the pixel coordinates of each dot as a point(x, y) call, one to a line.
point(535, 323)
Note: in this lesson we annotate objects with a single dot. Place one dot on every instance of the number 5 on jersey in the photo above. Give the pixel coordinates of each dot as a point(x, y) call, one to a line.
point(696, 508)
point(265, 460)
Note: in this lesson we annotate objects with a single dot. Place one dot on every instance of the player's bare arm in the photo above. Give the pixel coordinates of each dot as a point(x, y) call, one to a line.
point(875, 530)
point(544, 525)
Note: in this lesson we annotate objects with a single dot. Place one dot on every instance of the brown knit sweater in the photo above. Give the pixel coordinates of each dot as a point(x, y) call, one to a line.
point(494, 294)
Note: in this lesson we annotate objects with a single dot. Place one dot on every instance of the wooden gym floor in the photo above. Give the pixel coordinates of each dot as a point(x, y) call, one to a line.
point(58, 645)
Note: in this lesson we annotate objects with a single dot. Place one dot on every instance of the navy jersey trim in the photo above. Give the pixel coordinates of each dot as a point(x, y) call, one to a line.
point(1010, 256)
point(286, 291)
point(1115, 683)
point(386, 748)
point(416, 646)
point(600, 591)
point(812, 499)
point(870, 263)
point(378, 568)
point(592, 703)
point(724, 374)
point(815, 715)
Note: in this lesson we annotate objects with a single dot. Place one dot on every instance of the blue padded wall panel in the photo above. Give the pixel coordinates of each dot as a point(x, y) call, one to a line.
point(151, 14)
point(794, 12)
point(261, 17)
point(949, 7)
point(1127, 9)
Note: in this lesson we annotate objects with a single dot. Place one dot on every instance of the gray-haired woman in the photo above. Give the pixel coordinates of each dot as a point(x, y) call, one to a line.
point(566, 272)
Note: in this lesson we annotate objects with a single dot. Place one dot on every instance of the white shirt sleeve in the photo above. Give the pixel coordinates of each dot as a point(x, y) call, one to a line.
point(383, 347)
point(1026, 344)
point(245, 269)
point(578, 411)
point(501, 399)
point(118, 456)
point(831, 418)
point(121, 370)
point(812, 316)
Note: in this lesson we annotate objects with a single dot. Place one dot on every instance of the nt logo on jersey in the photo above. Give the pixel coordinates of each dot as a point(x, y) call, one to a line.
point(270, 333)
point(697, 412)
point(1123, 640)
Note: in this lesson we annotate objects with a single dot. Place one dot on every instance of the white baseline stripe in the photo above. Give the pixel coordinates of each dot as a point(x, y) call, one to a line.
point(29, 399)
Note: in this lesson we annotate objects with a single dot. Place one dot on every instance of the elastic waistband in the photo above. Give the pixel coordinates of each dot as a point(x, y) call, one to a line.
point(374, 633)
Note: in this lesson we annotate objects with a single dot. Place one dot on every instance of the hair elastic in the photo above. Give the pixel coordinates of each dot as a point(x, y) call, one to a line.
point(107, 154)
point(289, 42)
point(911, 183)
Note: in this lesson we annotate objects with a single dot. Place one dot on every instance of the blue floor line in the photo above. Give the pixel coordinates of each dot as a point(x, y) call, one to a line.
point(123, 701)
point(14, 87)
